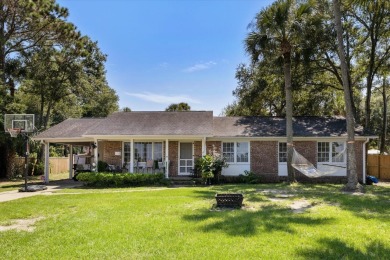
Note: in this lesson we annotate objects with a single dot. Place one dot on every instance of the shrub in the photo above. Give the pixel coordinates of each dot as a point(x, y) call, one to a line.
point(102, 166)
point(250, 177)
point(105, 179)
point(211, 165)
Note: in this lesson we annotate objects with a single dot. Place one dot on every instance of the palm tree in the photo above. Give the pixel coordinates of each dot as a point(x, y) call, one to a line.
point(276, 30)
point(352, 183)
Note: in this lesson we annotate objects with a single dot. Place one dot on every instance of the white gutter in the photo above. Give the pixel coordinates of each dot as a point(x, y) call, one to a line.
point(364, 160)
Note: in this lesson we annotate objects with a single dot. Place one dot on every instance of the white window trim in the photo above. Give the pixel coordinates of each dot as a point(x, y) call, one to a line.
point(330, 154)
point(282, 163)
point(132, 149)
point(235, 152)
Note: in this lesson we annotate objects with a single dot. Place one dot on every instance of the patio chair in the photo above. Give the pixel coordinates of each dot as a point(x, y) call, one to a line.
point(137, 166)
point(149, 165)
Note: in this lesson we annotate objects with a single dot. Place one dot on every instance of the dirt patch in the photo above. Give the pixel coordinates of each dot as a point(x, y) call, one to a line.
point(300, 206)
point(22, 224)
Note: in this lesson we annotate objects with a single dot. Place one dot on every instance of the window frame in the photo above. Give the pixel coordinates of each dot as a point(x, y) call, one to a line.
point(330, 153)
point(235, 148)
point(132, 150)
point(284, 152)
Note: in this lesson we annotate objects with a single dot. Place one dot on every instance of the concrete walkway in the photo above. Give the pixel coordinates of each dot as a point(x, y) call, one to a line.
point(52, 186)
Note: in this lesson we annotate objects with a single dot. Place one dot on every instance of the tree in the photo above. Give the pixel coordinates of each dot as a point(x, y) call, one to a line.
point(352, 183)
point(126, 109)
point(178, 107)
point(23, 26)
point(373, 21)
point(275, 32)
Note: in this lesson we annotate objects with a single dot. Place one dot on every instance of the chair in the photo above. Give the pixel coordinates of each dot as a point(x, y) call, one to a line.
point(137, 166)
point(149, 165)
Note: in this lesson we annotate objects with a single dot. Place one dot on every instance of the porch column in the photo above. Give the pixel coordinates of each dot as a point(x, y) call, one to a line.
point(47, 165)
point(70, 161)
point(132, 156)
point(95, 155)
point(166, 158)
point(203, 146)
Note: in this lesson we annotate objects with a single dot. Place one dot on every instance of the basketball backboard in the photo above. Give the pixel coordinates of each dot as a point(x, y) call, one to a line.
point(24, 122)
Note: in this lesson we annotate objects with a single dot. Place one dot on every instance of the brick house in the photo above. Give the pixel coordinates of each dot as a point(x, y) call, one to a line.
point(174, 140)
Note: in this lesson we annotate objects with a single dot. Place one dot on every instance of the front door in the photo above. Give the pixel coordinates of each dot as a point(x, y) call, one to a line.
point(186, 160)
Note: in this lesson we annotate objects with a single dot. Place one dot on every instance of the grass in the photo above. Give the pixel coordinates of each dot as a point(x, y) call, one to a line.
point(182, 223)
point(14, 184)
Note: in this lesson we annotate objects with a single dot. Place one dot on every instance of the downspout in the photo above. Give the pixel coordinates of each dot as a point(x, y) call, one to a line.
point(364, 160)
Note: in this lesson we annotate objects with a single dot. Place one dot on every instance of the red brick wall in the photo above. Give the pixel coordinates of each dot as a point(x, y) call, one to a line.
point(109, 148)
point(264, 159)
point(173, 158)
point(359, 159)
point(307, 150)
point(213, 145)
point(197, 149)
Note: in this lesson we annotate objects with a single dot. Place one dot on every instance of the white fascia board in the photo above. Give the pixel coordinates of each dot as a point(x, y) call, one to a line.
point(284, 139)
point(64, 140)
point(145, 137)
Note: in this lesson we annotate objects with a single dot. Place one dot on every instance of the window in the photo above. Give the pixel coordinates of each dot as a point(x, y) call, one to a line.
point(236, 152)
point(126, 152)
point(338, 149)
point(331, 152)
point(282, 152)
point(323, 152)
point(157, 151)
point(242, 152)
point(228, 151)
point(144, 151)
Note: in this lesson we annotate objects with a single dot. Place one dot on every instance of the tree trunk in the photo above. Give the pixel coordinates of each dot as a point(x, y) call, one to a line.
point(352, 184)
point(384, 116)
point(286, 50)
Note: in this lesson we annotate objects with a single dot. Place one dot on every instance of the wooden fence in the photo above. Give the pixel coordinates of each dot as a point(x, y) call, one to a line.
point(379, 166)
point(57, 164)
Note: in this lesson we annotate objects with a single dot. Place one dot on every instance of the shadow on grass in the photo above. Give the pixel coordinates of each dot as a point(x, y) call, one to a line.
point(270, 218)
point(333, 248)
point(373, 204)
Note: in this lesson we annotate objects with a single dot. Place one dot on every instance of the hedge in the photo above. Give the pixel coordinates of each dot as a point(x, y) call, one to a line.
point(105, 179)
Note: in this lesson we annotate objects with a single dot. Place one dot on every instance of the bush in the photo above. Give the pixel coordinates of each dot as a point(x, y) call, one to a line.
point(102, 166)
point(104, 179)
point(250, 177)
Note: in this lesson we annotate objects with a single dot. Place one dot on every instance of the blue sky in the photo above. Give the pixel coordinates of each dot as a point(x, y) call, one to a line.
point(164, 51)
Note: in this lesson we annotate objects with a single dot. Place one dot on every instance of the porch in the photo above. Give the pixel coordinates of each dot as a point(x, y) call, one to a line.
point(174, 158)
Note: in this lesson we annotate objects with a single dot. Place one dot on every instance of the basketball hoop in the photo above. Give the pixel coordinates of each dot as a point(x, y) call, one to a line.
point(14, 131)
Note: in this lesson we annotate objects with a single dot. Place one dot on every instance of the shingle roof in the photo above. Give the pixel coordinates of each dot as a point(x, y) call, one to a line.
point(196, 123)
point(70, 128)
point(257, 126)
point(155, 123)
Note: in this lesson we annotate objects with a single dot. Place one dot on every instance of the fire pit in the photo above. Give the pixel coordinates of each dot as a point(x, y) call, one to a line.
point(229, 200)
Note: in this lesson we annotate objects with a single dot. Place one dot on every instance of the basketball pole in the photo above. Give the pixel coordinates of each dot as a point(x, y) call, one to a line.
point(26, 162)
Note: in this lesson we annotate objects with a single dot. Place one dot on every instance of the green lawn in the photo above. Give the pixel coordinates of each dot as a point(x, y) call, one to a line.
point(182, 223)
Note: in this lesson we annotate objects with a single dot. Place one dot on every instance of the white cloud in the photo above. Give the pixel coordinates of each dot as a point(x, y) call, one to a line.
point(200, 66)
point(163, 99)
point(163, 65)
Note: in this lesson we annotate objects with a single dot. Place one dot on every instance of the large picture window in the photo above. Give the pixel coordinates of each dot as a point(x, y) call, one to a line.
point(331, 152)
point(236, 152)
point(144, 151)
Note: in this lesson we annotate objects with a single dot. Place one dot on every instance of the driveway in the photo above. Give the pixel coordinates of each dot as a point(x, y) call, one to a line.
point(52, 186)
